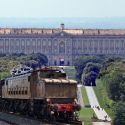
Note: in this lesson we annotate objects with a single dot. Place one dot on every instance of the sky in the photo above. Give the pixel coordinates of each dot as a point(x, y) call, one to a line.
point(61, 8)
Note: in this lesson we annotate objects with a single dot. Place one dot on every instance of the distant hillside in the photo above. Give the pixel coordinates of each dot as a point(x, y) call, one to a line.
point(98, 23)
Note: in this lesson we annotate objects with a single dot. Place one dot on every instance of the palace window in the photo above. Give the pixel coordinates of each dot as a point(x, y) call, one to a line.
point(23, 42)
point(33, 42)
point(62, 47)
point(38, 42)
point(28, 42)
point(55, 62)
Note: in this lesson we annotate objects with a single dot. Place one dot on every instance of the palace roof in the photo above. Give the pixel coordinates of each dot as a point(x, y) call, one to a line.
point(31, 31)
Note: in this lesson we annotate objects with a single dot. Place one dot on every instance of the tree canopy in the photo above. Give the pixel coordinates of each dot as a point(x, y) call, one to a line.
point(81, 62)
point(90, 73)
point(8, 61)
point(119, 110)
point(37, 60)
point(116, 86)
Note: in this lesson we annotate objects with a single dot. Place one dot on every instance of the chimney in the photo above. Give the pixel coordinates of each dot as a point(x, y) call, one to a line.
point(62, 26)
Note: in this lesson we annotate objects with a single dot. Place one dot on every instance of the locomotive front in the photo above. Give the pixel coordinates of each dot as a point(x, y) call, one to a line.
point(59, 92)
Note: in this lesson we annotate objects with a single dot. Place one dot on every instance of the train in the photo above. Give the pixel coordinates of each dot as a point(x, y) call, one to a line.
point(44, 93)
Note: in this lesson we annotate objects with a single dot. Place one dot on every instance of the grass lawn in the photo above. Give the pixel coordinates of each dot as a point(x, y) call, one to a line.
point(87, 123)
point(4, 74)
point(102, 95)
point(71, 72)
point(84, 95)
point(86, 114)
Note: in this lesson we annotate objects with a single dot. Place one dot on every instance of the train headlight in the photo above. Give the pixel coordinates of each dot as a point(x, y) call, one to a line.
point(48, 100)
point(52, 112)
point(75, 100)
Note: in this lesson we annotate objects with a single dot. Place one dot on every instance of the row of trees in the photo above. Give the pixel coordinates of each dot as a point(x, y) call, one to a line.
point(110, 69)
point(35, 60)
point(8, 61)
point(113, 73)
point(87, 69)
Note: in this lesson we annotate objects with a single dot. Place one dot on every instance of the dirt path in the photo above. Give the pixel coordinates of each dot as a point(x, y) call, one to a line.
point(101, 123)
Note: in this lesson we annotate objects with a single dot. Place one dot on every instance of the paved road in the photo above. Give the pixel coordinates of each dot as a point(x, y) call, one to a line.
point(101, 114)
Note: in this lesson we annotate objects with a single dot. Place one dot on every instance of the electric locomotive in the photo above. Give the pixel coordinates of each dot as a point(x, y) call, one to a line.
point(45, 93)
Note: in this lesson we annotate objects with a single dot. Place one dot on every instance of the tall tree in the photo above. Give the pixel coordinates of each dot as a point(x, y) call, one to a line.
point(116, 86)
point(81, 62)
point(119, 110)
point(90, 73)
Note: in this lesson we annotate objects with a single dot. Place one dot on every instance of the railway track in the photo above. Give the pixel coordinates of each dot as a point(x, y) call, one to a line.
point(5, 119)
point(3, 123)
point(14, 119)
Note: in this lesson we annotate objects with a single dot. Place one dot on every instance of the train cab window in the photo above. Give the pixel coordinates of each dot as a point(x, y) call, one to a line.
point(11, 91)
point(28, 78)
point(22, 92)
point(8, 90)
point(16, 92)
point(25, 92)
point(19, 91)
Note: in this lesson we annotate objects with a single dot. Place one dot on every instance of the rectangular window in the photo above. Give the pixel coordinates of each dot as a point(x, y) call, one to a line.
point(19, 92)
point(6, 82)
point(28, 78)
point(28, 42)
point(22, 42)
point(25, 92)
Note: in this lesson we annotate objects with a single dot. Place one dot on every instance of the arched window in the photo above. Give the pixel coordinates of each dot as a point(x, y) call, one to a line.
point(62, 47)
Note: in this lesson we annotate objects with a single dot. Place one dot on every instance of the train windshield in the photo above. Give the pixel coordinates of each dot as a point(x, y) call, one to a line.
point(52, 74)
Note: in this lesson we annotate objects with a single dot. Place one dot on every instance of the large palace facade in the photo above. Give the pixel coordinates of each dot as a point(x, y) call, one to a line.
point(62, 46)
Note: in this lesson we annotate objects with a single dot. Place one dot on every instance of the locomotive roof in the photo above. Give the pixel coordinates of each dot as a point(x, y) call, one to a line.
point(50, 68)
point(29, 73)
point(59, 81)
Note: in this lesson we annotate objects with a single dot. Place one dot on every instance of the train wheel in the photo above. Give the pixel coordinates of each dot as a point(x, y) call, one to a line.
point(52, 118)
point(76, 116)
